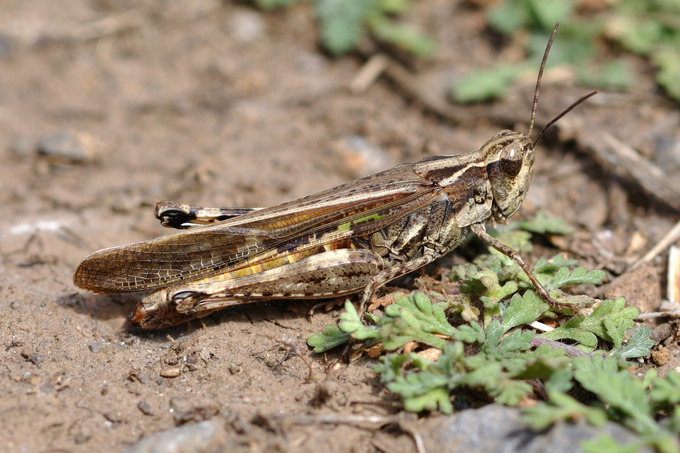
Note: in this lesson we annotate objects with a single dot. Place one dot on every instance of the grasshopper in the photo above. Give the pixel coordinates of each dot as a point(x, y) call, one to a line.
point(348, 239)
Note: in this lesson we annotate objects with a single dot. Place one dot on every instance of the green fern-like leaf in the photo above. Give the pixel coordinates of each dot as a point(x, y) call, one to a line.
point(579, 276)
point(609, 321)
point(330, 338)
point(542, 223)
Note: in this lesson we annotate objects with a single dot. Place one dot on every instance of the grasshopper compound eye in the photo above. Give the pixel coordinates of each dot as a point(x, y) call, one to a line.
point(511, 159)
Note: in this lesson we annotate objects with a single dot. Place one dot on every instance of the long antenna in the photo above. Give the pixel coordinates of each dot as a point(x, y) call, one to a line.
point(540, 77)
point(538, 88)
point(564, 112)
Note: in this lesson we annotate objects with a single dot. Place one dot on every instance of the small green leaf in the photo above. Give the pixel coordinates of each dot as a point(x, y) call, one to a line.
point(544, 266)
point(513, 392)
point(436, 398)
point(391, 366)
point(609, 321)
point(342, 23)
point(523, 310)
point(619, 316)
point(638, 34)
point(573, 330)
point(485, 282)
point(395, 6)
point(330, 338)
point(666, 391)
point(487, 373)
point(403, 36)
point(561, 407)
point(548, 12)
point(667, 61)
point(618, 389)
point(542, 223)
point(561, 380)
point(414, 318)
point(613, 75)
point(614, 334)
point(422, 391)
point(604, 443)
point(487, 84)
point(579, 276)
point(352, 324)
point(494, 331)
point(516, 340)
point(271, 4)
point(506, 17)
point(471, 333)
point(515, 238)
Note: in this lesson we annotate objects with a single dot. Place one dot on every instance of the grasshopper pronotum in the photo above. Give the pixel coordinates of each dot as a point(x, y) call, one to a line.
point(347, 239)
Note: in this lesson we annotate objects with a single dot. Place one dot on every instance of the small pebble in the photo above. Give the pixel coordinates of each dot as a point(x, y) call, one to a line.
point(66, 147)
point(145, 407)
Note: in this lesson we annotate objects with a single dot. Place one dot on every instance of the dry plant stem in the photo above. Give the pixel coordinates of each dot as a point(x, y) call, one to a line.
point(571, 351)
point(360, 421)
point(673, 287)
point(123, 22)
point(659, 314)
point(292, 348)
point(673, 308)
point(672, 236)
point(369, 73)
point(540, 326)
point(432, 101)
point(622, 159)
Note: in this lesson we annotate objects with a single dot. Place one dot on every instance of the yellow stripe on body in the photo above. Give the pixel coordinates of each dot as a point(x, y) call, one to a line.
point(272, 260)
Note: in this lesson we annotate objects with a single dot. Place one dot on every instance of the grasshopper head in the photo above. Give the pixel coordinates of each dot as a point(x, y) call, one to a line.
point(509, 166)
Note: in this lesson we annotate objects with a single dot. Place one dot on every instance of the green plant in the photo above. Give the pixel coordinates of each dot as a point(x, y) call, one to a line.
point(647, 405)
point(486, 346)
point(650, 29)
point(344, 23)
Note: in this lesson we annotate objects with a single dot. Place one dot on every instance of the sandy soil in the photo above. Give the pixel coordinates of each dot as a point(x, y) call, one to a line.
point(214, 103)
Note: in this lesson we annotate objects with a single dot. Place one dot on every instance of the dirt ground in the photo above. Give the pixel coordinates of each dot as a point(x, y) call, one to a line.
point(215, 103)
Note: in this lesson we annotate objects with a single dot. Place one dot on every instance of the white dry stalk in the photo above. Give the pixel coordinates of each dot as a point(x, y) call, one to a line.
point(673, 287)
